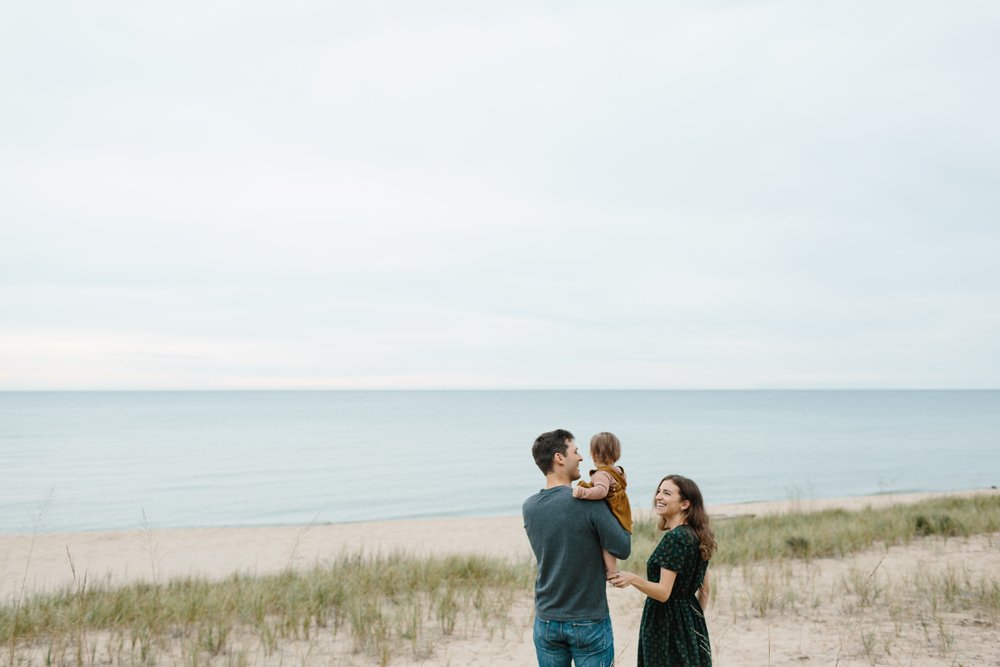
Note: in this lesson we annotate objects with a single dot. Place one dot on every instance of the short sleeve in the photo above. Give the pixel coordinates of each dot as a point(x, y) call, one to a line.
point(673, 552)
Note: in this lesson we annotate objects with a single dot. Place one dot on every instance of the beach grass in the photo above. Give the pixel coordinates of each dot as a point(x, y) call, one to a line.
point(388, 606)
point(835, 532)
point(386, 603)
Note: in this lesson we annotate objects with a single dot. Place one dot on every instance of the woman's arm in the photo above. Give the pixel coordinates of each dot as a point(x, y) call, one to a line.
point(658, 591)
point(703, 593)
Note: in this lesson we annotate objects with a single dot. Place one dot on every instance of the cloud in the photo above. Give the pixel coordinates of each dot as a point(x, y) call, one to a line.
point(741, 195)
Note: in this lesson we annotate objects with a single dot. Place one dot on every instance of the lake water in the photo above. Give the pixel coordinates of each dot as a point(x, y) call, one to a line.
point(106, 460)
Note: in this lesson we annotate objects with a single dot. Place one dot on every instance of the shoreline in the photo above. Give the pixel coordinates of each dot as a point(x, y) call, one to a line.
point(40, 562)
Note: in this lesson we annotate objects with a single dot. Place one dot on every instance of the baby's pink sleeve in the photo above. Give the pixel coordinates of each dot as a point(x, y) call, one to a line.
point(601, 486)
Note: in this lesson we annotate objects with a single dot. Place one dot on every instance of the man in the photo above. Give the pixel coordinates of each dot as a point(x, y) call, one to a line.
point(572, 621)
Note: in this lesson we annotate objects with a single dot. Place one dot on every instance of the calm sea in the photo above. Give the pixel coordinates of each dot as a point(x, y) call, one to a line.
point(106, 460)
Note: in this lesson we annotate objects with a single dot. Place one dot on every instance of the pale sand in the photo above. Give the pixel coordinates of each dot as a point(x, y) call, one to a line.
point(820, 623)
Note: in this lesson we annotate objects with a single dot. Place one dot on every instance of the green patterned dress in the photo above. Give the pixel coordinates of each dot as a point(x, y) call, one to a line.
point(673, 633)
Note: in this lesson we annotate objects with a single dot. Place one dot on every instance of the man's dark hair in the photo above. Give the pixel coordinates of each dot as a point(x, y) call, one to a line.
point(547, 445)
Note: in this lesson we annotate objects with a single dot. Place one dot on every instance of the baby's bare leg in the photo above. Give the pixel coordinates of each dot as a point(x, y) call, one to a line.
point(610, 563)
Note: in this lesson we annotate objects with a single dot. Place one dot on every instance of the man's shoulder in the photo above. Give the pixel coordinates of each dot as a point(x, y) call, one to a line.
point(547, 495)
point(556, 500)
point(530, 501)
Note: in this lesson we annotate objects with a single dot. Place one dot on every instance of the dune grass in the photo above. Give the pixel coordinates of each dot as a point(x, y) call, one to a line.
point(837, 532)
point(385, 603)
point(393, 605)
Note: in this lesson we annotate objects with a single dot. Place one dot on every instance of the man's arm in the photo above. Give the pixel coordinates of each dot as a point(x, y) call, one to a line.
point(614, 539)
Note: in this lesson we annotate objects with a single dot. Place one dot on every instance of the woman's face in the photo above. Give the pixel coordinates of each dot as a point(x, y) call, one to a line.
point(668, 502)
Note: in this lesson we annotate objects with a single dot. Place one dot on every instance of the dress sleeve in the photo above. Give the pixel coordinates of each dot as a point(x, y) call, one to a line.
point(673, 552)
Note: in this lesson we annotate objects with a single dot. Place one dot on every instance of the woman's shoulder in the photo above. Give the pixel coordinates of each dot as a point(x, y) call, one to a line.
point(676, 549)
point(682, 534)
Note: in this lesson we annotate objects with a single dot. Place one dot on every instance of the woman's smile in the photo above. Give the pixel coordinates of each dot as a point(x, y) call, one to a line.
point(667, 501)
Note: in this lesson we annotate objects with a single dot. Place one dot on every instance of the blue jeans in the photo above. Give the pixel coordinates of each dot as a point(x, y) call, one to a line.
point(586, 643)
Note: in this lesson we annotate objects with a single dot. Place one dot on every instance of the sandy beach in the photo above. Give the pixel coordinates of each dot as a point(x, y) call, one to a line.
point(819, 628)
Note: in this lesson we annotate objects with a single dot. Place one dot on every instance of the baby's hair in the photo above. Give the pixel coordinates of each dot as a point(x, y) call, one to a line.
point(606, 447)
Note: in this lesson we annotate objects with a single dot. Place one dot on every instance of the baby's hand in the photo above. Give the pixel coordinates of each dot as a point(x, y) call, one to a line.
point(578, 492)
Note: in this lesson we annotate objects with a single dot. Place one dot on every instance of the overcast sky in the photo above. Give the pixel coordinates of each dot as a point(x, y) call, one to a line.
point(499, 195)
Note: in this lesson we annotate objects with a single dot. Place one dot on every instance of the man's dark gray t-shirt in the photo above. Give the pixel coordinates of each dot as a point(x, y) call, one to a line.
point(567, 536)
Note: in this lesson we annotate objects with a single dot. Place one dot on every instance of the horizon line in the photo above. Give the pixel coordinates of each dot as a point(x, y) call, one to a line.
point(484, 389)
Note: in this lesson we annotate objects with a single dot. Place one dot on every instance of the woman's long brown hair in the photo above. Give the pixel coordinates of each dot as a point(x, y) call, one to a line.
point(696, 516)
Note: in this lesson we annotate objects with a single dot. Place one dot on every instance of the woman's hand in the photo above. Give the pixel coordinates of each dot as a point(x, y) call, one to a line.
point(623, 579)
point(659, 591)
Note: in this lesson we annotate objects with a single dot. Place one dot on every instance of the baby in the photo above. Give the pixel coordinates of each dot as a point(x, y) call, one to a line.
point(607, 483)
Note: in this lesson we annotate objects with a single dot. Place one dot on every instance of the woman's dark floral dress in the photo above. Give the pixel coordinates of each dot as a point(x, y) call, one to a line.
point(673, 633)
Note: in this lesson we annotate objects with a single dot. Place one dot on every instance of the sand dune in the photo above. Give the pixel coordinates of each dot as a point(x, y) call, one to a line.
point(820, 620)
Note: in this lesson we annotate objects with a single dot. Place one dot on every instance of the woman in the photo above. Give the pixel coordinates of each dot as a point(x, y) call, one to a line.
point(673, 630)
